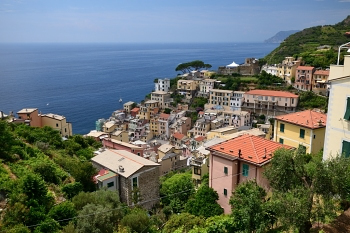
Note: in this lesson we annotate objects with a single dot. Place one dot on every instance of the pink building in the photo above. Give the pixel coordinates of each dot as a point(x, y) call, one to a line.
point(303, 78)
point(238, 160)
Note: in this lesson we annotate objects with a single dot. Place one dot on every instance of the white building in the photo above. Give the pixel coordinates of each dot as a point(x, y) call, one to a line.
point(205, 86)
point(270, 69)
point(237, 100)
point(162, 85)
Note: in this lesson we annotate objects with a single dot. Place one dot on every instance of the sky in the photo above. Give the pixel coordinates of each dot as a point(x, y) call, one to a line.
point(161, 21)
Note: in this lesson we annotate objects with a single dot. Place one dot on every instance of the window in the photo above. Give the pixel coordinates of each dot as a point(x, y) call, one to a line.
point(56, 125)
point(197, 171)
point(110, 184)
point(314, 136)
point(138, 153)
point(346, 149)
point(302, 133)
point(281, 140)
point(282, 128)
point(134, 182)
point(226, 170)
point(347, 112)
point(225, 192)
point(245, 169)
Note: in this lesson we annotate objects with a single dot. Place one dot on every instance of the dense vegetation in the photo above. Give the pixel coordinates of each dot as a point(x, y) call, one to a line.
point(305, 43)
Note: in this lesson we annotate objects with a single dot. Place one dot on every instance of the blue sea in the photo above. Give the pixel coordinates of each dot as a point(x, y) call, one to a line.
point(84, 82)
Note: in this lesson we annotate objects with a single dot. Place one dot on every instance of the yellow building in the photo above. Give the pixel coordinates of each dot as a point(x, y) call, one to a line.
point(122, 136)
point(338, 118)
point(287, 68)
point(57, 122)
point(128, 106)
point(306, 128)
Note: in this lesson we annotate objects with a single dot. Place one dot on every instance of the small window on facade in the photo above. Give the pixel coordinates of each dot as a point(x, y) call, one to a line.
point(134, 182)
point(302, 133)
point(110, 184)
point(138, 153)
point(314, 136)
point(56, 125)
point(281, 127)
point(225, 192)
point(281, 140)
point(245, 170)
point(226, 170)
point(65, 129)
point(347, 111)
point(346, 149)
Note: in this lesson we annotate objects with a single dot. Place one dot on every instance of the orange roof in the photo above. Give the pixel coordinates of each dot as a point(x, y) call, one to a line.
point(254, 149)
point(135, 110)
point(201, 113)
point(164, 115)
point(305, 68)
point(308, 119)
point(271, 93)
point(199, 138)
point(322, 72)
point(178, 136)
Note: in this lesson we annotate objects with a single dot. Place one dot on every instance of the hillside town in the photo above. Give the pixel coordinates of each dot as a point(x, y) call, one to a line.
point(232, 138)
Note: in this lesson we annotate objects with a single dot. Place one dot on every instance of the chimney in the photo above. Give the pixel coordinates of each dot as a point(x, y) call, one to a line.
point(239, 153)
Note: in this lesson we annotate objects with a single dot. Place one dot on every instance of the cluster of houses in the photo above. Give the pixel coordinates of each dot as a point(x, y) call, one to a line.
point(142, 143)
point(304, 78)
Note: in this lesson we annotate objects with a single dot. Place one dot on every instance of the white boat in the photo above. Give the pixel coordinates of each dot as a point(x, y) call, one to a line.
point(120, 100)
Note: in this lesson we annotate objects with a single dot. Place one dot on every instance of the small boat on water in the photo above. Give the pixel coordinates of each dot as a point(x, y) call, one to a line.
point(120, 100)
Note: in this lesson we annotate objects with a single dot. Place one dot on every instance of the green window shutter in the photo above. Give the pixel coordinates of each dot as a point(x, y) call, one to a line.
point(302, 133)
point(281, 127)
point(134, 182)
point(346, 149)
point(245, 169)
point(347, 112)
point(281, 140)
point(226, 170)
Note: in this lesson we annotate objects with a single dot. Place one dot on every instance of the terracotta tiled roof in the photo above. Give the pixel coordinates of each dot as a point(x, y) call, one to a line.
point(253, 149)
point(308, 119)
point(322, 72)
point(135, 110)
point(271, 93)
point(201, 113)
point(164, 115)
point(305, 68)
point(199, 138)
point(178, 136)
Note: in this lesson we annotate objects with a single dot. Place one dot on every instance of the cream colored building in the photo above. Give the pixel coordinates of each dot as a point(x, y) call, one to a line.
point(188, 88)
point(320, 82)
point(337, 139)
point(128, 106)
point(57, 122)
point(149, 109)
point(162, 97)
point(236, 118)
point(220, 132)
point(220, 97)
point(122, 136)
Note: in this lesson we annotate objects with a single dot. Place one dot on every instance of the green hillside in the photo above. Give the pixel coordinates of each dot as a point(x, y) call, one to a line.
point(305, 43)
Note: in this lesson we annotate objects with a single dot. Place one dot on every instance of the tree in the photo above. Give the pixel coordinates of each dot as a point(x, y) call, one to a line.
point(62, 211)
point(176, 190)
point(204, 203)
point(34, 187)
point(72, 189)
point(247, 204)
point(297, 180)
point(6, 141)
point(167, 110)
point(137, 220)
point(193, 65)
point(185, 220)
point(95, 219)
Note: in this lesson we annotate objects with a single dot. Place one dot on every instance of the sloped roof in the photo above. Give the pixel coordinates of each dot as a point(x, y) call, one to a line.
point(164, 115)
point(308, 119)
point(305, 67)
point(253, 149)
point(114, 160)
point(271, 93)
point(321, 72)
point(165, 148)
point(178, 136)
point(135, 110)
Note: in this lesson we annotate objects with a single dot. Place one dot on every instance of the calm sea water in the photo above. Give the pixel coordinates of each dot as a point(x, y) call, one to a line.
point(85, 81)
